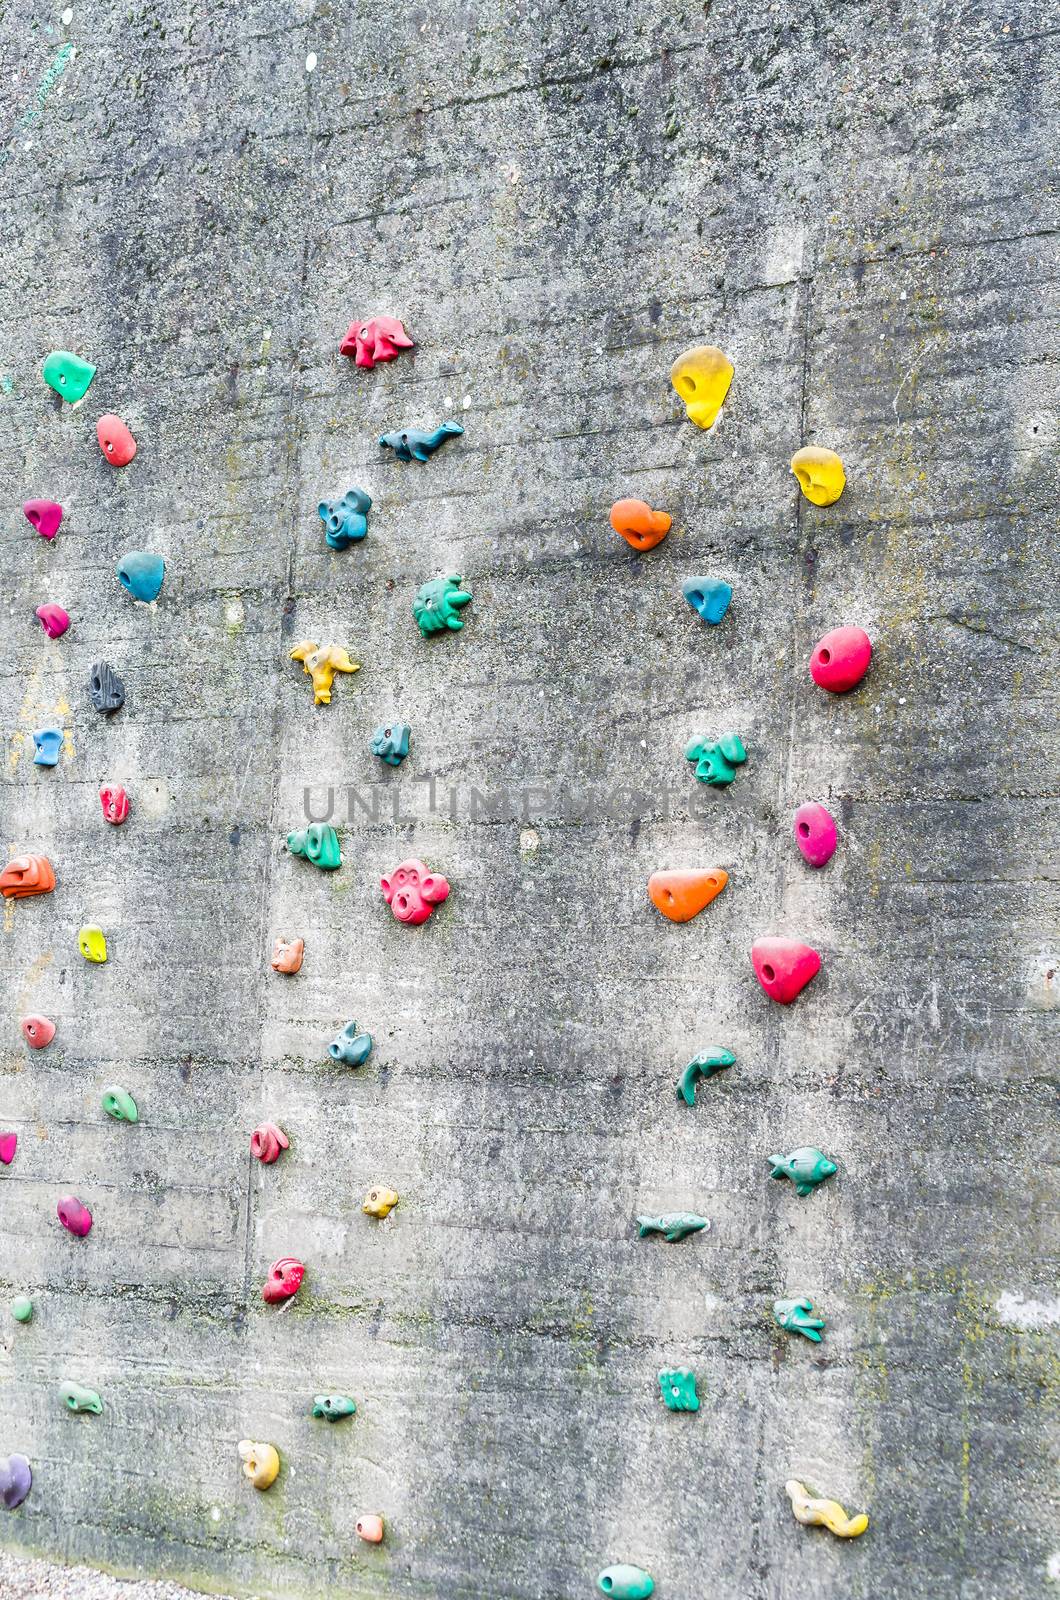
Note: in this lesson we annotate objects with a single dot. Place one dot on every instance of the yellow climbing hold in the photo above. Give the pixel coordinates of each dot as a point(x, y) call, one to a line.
point(820, 474)
point(92, 944)
point(261, 1462)
point(829, 1513)
point(322, 662)
point(702, 377)
point(379, 1202)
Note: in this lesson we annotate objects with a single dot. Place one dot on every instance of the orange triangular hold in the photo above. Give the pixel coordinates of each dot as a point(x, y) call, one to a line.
point(682, 895)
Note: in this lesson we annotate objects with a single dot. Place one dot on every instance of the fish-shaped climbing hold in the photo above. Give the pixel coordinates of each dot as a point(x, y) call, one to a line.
point(390, 742)
point(412, 444)
point(346, 520)
point(115, 440)
point(26, 876)
point(678, 1388)
point(784, 967)
point(37, 1031)
point(16, 1480)
point(705, 1065)
point(841, 659)
point(638, 524)
point(820, 474)
point(623, 1582)
point(267, 1141)
point(702, 377)
point(438, 603)
point(119, 1104)
point(53, 619)
point(333, 1407)
point(322, 662)
point(74, 1217)
point(92, 943)
point(708, 596)
point(44, 515)
point(829, 1514)
point(806, 1167)
point(350, 1047)
point(379, 1202)
point(815, 833)
point(76, 1398)
point(68, 375)
point(261, 1462)
point(673, 1225)
point(682, 895)
point(796, 1316)
point(319, 843)
point(284, 1280)
point(716, 763)
point(378, 339)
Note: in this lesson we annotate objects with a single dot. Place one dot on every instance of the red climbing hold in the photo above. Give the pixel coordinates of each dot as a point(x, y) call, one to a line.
point(115, 803)
point(45, 515)
point(815, 834)
point(841, 659)
point(266, 1142)
point(115, 440)
point(37, 1031)
point(284, 1280)
point(784, 967)
point(8, 1141)
point(380, 339)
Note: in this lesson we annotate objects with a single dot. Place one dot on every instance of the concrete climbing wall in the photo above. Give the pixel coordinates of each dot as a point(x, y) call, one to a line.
point(853, 201)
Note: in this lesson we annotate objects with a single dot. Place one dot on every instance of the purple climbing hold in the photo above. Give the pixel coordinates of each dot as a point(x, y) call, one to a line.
point(74, 1217)
point(16, 1478)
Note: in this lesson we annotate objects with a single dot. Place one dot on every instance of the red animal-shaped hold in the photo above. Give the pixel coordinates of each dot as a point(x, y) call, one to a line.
point(815, 834)
point(26, 876)
point(284, 1280)
point(267, 1141)
point(45, 516)
point(784, 967)
point(115, 440)
point(115, 803)
point(412, 891)
point(37, 1031)
point(381, 339)
point(74, 1217)
point(841, 659)
point(8, 1144)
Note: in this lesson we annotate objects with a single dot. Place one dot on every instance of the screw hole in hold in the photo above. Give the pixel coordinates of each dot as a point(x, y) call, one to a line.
point(607, 1584)
point(825, 656)
point(768, 972)
point(804, 829)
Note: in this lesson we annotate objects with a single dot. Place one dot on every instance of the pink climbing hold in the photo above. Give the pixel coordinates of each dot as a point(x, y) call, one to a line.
point(784, 967)
point(412, 891)
point(54, 620)
point(45, 515)
point(37, 1031)
point(380, 339)
point(115, 440)
point(266, 1142)
point(8, 1141)
point(284, 1280)
point(115, 803)
point(841, 659)
point(74, 1217)
point(815, 833)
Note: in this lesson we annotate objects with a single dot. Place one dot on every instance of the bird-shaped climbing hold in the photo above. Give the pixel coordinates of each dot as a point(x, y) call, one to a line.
point(702, 377)
point(638, 524)
point(705, 1065)
point(829, 1514)
point(682, 895)
point(322, 662)
point(820, 474)
point(784, 967)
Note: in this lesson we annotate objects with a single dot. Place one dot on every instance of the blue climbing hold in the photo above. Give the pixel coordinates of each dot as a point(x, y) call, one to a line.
point(350, 1047)
point(47, 743)
point(390, 742)
point(409, 443)
point(141, 574)
point(709, 596)
point(346, 520)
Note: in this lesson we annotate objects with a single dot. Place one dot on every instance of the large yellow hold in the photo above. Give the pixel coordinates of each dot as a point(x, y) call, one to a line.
point(820, 474)
point(261, 1462)
point(828, 1513)
point(322, 662)
point(702, 377)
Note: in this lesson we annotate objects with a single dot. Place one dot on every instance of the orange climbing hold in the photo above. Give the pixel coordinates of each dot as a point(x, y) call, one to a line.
point(638, 524)
point(26, 876)
point(680, 896)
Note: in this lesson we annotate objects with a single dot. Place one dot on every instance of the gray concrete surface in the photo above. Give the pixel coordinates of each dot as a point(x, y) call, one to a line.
point(857, 203)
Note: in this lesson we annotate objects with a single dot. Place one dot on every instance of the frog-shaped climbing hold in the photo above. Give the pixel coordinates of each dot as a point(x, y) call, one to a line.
point(74, 1217)
point(705, 1065)
point(92, 943)
point(261, 1462)
point(678, 1389)
point(350, 1047)
point(333, 1407)
point(16, 1480)
point(44, 515)
point(413, 444)
point(390, 742)
point(378, 339)
point(716, 763)
point(68, 375)
point(115, 440)
point(640, 526)
point(623, 1582)
point(47, 746)
point(702, 377)
point(795, 1316)
point(820, 474)
point(284, 1280)
point(319, 843)
point(708, 596)
point(673, 1225)
point(806, 1167)
point(141, 574)
point(119, 1104)
point(412, 891)
point(26, 876)
point(53, 619)
point(379, 1202)
point(105, 688)
point(829, 1514)
point(345, 520)
point(322, 662)
point(438, 603)
point(76, 1398)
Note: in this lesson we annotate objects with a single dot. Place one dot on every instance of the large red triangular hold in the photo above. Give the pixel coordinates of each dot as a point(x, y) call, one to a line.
point(784, 967)
point(682, 895)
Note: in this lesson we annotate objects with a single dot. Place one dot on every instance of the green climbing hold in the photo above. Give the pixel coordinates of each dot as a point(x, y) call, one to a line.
point(437, 605)
point(319, 843)
point(74, 1398)
point(625, 1582)
point(806, 1167)
point(333, 1407)
point(68, 375)
point(679, 1389)
point(716, 763)
point(705, 1065)
point(794, 1316)
point(119, 1104)
point(22, 1308)
point(673, 1225)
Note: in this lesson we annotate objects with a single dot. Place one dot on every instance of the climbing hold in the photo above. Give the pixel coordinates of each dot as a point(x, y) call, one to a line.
point(287, 954)
point(261, 1462)
point(716, 763)
point(68, 375)
point(784, 967)
point(806, 1167)
point(319, 843)
point(815, 833)
point(284, 1280)
point(16, 1479)
point(74, 1217)
point(54, 620)
point(119, 1104)
point(322, 662)
point(141, 574)
point(379, 339)
point(794, 1315)
point(390, 742)
point(345, 520)
point(841, 659)
point(370, 1529)
point(105, 688)
point(22, 1308)
point(709, 596)
point(26, 876)
point(638, 524)
point(350, 1047)
point(115, 803)
point(705, 1065)
point(829, 1514)
point(45, 515)
point(266, 1142)
point(47, 746)
point(115, 440)
point(412, 891)
point(333, 1407)
point(92, 943)
point(624, 1582)
point(437, 605)
point(410, 444)
point(702, 377)
point(8, 1146)
point(37, 1031)
point(673, 1225)
point(679, 1389)
point(75, 1398)
point(820, 474)
point(379, 1202)
point(680, 896)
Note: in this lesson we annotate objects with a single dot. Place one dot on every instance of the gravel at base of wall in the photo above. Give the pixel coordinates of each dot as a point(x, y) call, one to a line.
point(21, 1579)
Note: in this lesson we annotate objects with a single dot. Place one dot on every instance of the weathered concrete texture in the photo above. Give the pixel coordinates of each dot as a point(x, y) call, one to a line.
point(856, 203)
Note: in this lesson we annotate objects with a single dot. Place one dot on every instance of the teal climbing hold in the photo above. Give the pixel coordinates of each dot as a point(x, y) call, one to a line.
point(75, 1398)
point(68, 375)
point(679, 1389)
point(709, 596)
point(350, 1047)
point(22, 1308)
point(716, 763)
point(624, 1582)
point(437, 605)
point(333, 1407)
point(795, 1316)
point(119, 1104)
point(141, 574)
point(345, 520)
point(806, 1167)
point(673, 1225)
point(705, 1065)
point(319, 843)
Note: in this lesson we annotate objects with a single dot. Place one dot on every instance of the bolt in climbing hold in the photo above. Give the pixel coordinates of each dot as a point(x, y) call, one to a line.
point(841, 659)
point(119, 1104)
point(379, 339)
point(54, 620)
point(141, 575)
point(437, 605)
point(679, 1389)
point(322, 662)
point(702, 377)
point(623, 1582)
point(350, 1047)
point(820, 474)
point(345, 520)
point(709, 596)
point(410, 444)
point(705, 1065)
point(680, 896)
point(806, 1167)
point(115, 440)
point(784, 967)
point(333, 1407)
point(22, 1308)
point(673, 1225)
point(47, 746)
point(370, 1529)
point(16, 1480)
point(390, 742)
point(261, 1462)
point(115, 803)
point(68, 375)
point(829, 1514)
point(284, 1280)
point(266, 1142)
point(105, 688)
point(319, 843)
point(379, 1202)
point(795, 1316)
point(92, 943)
point(716, 763)
point(45, 516)
point(26, 876)
point(37, 1031)
point(287, 954)
point(412, 891)
point(8, 1146)
point(74, 1217)
point(75, 1398)
point(815, 834)
point(638, 524)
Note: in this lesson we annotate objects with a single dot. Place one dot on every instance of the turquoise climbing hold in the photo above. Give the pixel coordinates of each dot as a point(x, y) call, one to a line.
point(709, 596)
point(437, 605)
point(716, 763)
point(350, 1047)
point(141, 574)
point(319, 843)
point(346, 520)
point(68, 375)
point(625, 1582)
point(796, 1316)
point(679, 1389)
point(705, 1065)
